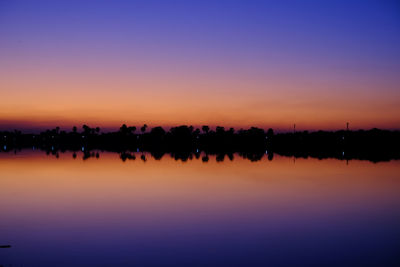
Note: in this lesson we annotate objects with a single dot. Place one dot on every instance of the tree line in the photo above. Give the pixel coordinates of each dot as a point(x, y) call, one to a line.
point(374, 144)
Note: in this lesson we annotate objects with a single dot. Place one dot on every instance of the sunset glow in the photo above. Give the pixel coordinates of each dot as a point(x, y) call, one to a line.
point(318, 64)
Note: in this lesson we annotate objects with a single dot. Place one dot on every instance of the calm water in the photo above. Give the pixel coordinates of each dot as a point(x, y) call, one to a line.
point(106, 212)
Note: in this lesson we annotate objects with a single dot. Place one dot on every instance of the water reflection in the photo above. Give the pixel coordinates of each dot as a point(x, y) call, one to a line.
point(158, 155)
point(179, 156)
point(184, 155)
point(174, 210)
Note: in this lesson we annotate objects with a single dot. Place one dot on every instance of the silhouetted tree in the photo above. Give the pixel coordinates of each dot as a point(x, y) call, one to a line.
point(205, 129)
point(132, 129)
point(144, 127)
point(157, 131)
point(184, 143)
point(123, 129)
point(220, 130)
point(270, 133)
point(86, 129)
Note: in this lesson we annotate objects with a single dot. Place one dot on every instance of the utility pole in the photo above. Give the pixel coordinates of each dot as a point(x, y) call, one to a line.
point(347, 126)
point(294, 128)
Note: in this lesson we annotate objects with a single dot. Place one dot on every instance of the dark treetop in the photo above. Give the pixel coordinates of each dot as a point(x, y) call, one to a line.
point(185, 142)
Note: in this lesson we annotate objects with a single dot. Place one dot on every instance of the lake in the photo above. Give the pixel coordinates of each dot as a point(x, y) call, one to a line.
point(66, 211)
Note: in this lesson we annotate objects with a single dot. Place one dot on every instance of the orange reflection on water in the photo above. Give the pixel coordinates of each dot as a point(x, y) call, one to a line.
point(106, 188)
point(106, 211)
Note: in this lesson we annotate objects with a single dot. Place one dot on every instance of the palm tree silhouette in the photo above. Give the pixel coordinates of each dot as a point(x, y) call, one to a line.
point(131, 129)
point(205, 129)
point(123, 128)
point(144, 127)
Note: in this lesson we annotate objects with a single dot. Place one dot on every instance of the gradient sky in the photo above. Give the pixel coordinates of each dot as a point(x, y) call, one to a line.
point(318, 64)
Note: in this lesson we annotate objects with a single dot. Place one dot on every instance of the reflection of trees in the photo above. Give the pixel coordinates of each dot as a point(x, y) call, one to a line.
point(185, 143)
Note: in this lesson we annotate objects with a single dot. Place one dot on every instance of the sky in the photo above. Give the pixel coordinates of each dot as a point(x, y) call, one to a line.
point(318, 64)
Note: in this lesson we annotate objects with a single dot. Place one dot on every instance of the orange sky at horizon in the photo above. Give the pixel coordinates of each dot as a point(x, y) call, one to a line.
point(231, 64)
point(37, 104)
point(165, 182)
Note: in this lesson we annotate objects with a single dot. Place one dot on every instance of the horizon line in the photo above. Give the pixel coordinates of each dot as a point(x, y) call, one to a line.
point(108, 129)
